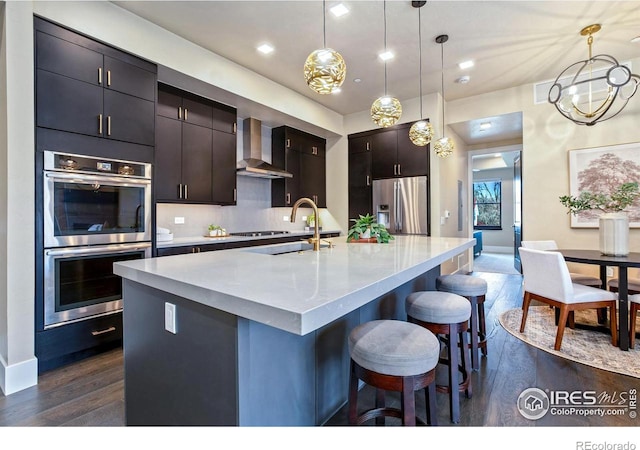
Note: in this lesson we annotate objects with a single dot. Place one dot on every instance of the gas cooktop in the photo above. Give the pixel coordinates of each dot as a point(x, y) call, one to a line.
point(259, 233)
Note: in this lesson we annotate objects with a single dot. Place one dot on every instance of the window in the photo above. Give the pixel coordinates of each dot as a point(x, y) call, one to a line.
point(487, 205)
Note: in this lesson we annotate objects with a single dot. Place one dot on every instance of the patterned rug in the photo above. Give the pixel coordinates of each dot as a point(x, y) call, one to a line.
point(591, 348)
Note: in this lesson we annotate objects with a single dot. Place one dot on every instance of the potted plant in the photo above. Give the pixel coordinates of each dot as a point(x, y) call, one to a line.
point(216, 231)
point(613, 222)
point(311, 221)
point(366, 229)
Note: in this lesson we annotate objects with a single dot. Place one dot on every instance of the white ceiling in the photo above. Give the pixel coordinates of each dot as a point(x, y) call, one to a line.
point(512, 43)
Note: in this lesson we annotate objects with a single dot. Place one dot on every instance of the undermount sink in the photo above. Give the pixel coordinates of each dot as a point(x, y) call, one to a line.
point(281, 249)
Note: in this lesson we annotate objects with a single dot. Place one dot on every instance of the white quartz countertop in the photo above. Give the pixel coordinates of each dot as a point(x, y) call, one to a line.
point(297, 292)
point(203, 240)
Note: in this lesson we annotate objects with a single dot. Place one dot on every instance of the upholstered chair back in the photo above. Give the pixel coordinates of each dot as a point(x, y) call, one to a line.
point(546, 274)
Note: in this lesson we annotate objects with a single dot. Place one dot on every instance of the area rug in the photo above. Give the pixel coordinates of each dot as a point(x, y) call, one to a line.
point(591, 348)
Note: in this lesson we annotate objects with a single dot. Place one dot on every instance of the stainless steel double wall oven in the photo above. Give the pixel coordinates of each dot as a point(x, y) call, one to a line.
point(95, 211)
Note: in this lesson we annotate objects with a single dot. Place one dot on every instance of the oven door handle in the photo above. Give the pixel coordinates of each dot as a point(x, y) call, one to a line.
point(98, 249)
point(84, 178)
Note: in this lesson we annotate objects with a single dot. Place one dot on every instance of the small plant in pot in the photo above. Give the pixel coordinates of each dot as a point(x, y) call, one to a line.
point(366, 229)
point(613, 222)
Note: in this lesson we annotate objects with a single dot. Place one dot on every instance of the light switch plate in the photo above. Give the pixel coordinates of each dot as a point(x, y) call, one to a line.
point(170, 317)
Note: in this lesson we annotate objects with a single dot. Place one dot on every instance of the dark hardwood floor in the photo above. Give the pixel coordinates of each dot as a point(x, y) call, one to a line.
point(90, 393)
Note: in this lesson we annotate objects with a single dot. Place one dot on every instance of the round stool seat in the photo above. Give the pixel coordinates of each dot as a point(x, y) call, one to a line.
point(438, 307)
point(464, 285)
point(394, 347)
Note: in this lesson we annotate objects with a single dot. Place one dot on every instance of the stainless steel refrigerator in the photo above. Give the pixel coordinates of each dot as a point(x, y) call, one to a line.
point(401, 204)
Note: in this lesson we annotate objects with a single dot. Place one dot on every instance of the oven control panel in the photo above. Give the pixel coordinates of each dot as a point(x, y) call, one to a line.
point(88, 164)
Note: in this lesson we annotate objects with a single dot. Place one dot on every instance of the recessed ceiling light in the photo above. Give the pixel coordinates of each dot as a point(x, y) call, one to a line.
point(485, 125)
point(339, 10)
point(465, 64)
point(463, 80)
point(265, 48)
point(636, 39)
point(357, 80)
point(385, 56)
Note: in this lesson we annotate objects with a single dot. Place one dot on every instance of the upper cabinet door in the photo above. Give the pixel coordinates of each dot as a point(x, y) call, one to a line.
point(197, 113)
point(384, 146)
point(66, 58)
point(129, 79)
point(169, 105)
point(224, 167)
point(224, 119)
point(412, 160)
point(128, 118)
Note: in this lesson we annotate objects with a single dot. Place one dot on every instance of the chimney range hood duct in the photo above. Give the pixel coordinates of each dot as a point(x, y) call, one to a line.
point(252, 165)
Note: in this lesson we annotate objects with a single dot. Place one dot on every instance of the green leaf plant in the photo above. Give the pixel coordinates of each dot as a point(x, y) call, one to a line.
point(377, 230)
point(618, 200)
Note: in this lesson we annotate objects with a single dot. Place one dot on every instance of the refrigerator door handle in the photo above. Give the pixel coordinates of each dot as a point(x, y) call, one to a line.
point(399, 211)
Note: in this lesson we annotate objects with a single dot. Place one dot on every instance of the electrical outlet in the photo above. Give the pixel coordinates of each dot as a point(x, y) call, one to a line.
point(170, 317)
point(178, 220)
point(609, 271)
point(304, 218)
point(285, 218)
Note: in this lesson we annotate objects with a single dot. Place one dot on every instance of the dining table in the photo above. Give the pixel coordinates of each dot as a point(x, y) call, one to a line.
point(604, 261)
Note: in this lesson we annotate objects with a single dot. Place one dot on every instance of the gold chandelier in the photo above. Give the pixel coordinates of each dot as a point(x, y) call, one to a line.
point(443, 146)
point(598, 91)
point(386, 110)
point(324, 69)
point(420, 132)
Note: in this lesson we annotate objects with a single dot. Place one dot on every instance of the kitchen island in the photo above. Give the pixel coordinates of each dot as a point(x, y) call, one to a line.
point(260, 333)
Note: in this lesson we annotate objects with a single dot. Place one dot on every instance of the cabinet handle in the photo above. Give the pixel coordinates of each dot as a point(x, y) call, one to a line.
point(186, 114)
point(106, 330)
point(99, 75)
point(368, 146)
point(235, 195)
point(288, 198)
point(235, 127)
point(99, 123)
point(368, 181)
point(288, 143)
point(399, 170)
point(180, 191)
point(186, 191)
point(108, 125)
point(179, 112)
point(193, 250)
point(395, 169)
point(314, 150)
point(108, 77)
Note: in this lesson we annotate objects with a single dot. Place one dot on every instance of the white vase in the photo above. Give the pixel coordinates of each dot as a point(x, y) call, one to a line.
point(614, 234)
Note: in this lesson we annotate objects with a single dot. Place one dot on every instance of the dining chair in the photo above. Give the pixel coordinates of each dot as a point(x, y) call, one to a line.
point(547, 280)
point(634, 308)
point(579, 278)
point(633, 285)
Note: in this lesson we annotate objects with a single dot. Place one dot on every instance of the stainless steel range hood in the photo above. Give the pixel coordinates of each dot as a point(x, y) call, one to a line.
point(252, 165)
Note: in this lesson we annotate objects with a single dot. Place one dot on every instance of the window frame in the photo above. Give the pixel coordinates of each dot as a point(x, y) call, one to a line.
point(499, 203)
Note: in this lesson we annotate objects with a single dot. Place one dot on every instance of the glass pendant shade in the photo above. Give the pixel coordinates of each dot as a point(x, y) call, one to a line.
point(421, 133)
point(325, 70)
point(443, 147)
point(386, 111)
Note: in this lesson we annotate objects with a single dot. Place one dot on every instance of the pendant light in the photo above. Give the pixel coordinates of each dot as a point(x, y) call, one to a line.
point(386, 110)
point(324, 69)
point(443, 146)
point(589, 96)
point(420, 132)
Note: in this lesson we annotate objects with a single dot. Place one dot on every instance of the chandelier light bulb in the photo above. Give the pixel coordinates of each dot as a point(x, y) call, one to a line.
point(386, 111)
point(325, 70)
point(421, 133)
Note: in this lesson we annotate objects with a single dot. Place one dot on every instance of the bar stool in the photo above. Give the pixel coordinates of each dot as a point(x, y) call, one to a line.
point(446, 314)
point(393, 355)
point(475, 290)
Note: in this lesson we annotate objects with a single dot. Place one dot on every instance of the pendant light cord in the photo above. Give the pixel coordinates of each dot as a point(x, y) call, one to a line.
point(442, 81)
point(384, 9)
point(324, 25)
point(420, 49)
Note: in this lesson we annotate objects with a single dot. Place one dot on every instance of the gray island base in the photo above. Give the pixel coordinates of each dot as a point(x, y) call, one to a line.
point(261, 333)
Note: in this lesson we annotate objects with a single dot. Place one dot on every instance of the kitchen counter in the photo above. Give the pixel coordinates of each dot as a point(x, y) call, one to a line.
point(260, 335)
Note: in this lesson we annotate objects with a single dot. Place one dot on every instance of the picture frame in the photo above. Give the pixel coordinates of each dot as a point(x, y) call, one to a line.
point(601, 169)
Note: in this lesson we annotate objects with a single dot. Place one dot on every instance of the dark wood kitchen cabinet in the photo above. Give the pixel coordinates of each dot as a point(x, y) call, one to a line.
point(393, 154)
point(195, 155)
point(303, 155)
point(360, 190)
point(89, 88)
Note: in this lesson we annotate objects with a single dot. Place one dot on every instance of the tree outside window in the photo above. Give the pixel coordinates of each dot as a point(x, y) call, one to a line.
point(487, 205)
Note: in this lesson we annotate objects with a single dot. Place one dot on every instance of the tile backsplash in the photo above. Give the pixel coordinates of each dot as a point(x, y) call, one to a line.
point(253, 212)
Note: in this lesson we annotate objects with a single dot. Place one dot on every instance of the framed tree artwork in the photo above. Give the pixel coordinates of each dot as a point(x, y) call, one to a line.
point(601, 170)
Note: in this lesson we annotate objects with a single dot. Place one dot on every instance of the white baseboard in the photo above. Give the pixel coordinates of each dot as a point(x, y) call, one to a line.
point(497, 249)
point(19, 376)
